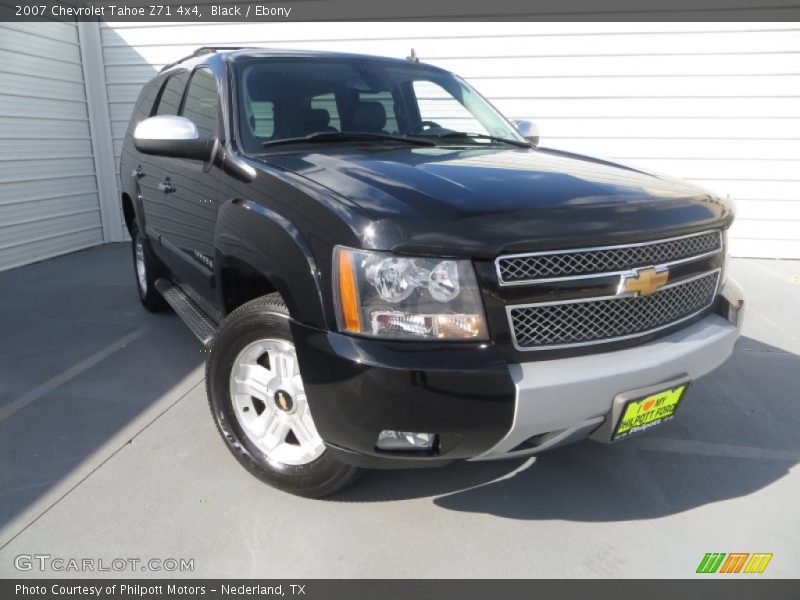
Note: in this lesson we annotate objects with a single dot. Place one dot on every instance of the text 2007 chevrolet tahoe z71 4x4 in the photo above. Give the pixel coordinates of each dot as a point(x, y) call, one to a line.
point(390, 274)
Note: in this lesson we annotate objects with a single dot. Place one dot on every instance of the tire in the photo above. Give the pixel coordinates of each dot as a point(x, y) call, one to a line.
point(146, 272)
point(258, 402)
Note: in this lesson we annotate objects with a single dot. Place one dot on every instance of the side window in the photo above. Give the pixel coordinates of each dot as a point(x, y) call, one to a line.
point(171, 94)
point(201, 104)
point(437, 105)
point(144, 105)
point(328, 102)
point(386, 99)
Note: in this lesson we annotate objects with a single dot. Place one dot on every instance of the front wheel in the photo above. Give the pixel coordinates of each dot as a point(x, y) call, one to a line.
point(259, 403)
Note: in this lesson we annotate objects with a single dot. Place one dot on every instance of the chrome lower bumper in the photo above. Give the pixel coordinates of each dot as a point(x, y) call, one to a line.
point(566, 399)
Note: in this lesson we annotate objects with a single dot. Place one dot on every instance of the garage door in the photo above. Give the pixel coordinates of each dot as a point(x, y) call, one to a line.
point(48, 191)
point(713, 103)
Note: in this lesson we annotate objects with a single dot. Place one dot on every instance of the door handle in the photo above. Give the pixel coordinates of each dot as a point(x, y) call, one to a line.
point(137, 173)
point(166, 187)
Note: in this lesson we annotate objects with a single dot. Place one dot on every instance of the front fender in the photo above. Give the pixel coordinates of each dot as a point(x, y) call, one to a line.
point(277, 250)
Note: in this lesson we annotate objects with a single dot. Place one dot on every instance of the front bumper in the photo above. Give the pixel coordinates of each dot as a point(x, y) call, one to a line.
point(480, 406)
point(562, 400)
point(357, 387)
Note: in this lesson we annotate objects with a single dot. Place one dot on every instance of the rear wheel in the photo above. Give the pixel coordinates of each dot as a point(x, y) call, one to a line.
point(257, 397)
point(147, 272)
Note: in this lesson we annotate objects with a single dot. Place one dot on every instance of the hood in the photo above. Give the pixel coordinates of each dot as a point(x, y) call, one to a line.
point(485, 201)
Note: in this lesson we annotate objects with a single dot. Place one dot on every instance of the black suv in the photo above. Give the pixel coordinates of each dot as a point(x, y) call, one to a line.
point(388, 273)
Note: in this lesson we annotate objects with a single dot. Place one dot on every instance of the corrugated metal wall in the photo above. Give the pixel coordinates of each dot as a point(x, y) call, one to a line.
point(712, 103)
point(48, 190)
point(718, 104)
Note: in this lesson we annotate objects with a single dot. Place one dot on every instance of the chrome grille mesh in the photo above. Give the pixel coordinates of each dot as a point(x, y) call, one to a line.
point(606, 319)
point(525, 268)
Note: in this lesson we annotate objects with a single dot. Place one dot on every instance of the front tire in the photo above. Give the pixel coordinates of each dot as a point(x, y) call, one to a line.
point(255, 390)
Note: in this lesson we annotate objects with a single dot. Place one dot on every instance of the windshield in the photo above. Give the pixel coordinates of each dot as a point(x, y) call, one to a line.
point(290, 98)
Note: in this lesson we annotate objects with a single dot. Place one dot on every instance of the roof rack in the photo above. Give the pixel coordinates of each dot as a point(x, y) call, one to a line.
point(200, 52)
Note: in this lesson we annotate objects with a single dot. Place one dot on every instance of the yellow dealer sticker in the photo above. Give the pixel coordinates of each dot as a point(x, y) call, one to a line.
point(648, 412)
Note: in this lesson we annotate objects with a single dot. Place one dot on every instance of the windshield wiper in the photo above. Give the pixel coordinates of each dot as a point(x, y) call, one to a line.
point(344, 136)
point(481, 136)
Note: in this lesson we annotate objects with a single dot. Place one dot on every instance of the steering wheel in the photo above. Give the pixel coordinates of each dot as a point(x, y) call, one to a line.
point(423, 126)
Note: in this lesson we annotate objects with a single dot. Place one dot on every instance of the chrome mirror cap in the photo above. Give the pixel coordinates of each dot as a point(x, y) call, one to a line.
point(166, 128)
point(176, 137)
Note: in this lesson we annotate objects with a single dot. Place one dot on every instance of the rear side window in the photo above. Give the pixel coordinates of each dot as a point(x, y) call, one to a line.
point(262, 118)
point(171, 94)
point(328, 102)
point(201, 104)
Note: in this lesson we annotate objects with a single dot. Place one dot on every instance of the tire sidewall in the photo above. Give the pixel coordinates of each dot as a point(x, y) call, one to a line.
point(137, 237)
point(237, 332)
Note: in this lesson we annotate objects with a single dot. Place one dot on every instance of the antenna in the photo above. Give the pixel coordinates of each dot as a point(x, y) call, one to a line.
point(413, 58)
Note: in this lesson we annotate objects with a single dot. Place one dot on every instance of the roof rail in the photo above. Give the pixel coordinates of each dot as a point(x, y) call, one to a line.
point(200, 52)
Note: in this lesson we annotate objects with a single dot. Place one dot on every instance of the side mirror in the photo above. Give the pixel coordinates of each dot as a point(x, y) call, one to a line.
point(176, 137)
point(528, 130)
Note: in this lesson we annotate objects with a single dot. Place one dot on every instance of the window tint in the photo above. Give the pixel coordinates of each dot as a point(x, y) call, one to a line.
point(438, 105)
point(202, 102)
point(144, 105)
point(171, 94)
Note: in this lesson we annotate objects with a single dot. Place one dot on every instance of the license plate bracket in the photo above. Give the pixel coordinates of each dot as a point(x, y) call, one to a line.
point(610, 431)
point(649, 410)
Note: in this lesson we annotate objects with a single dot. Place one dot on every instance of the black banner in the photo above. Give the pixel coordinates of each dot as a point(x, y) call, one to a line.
point(383, 589)
point(421, 10)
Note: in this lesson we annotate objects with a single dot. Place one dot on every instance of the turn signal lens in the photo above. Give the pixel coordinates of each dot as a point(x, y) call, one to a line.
point(348, 294)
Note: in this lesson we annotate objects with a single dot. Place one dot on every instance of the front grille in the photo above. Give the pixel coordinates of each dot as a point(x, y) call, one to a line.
point(527, 268)
point(597, 320)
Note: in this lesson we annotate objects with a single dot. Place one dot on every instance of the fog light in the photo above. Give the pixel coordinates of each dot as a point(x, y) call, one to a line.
point(405, 440)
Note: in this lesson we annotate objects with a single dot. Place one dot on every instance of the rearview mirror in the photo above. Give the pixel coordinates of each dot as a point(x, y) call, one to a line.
point(528, 130)
point(176, 137)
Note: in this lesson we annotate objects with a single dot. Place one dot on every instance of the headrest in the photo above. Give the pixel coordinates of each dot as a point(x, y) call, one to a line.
point(369, 116)
point(312, 120)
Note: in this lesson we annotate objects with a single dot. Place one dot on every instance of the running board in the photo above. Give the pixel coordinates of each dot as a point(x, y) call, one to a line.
point(190, 313)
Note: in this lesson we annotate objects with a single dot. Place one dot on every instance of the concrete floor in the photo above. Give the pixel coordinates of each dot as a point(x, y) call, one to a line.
point(107, 450)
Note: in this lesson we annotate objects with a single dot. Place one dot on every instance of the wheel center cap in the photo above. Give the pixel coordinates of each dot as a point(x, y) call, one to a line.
point(283, 401)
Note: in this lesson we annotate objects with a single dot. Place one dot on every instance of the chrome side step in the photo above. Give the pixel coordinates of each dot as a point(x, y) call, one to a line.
point(203, 326)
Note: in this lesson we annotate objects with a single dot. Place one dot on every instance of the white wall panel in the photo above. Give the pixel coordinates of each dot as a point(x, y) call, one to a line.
point(48, 190)
point(716, 103)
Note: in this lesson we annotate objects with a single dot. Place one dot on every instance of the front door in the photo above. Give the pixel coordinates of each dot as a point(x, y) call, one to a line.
point(192, 193)
point(152, 171)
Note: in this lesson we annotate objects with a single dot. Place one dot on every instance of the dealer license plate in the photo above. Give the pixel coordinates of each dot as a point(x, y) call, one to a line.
point(644, 413)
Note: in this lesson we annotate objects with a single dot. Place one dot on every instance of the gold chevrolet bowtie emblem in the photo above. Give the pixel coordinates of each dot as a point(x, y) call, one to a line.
point(643, 281)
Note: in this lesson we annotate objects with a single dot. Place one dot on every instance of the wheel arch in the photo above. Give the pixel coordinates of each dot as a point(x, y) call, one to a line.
point(259, 252)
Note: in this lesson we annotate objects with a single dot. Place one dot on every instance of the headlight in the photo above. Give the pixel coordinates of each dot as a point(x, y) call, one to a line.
point(384, 295)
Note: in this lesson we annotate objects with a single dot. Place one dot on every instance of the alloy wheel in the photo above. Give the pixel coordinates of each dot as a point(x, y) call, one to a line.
point(271, 405)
